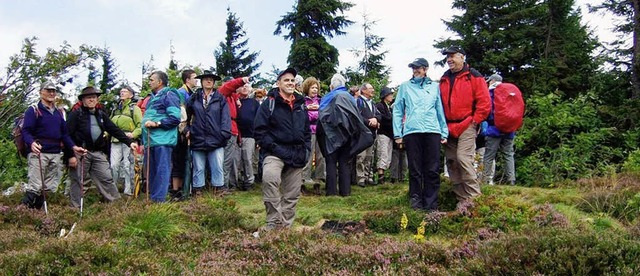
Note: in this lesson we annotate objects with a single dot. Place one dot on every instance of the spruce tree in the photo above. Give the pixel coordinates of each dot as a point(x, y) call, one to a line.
point(309, 25)
point(232, 56)
point(109, 71)
point(539, 45)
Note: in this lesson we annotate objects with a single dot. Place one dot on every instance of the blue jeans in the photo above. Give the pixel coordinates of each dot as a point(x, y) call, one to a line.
point(159, 172)
point(215, 159)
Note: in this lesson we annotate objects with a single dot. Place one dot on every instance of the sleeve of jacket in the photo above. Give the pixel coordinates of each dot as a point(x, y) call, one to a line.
point(28, 127)
point(137, 119)
point(228, 88)
point(172, 102)
point(482, 100)
point(384, 116)
point(442, 121)
point(307, 133)
point(71, 125)
point(225, 119)
point(398, 112)
point(261, 126)
point(114, 130)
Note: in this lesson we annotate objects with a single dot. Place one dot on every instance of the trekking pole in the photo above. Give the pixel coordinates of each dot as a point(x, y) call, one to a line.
point(44, 197)
point(81, 184)
point(148, 153)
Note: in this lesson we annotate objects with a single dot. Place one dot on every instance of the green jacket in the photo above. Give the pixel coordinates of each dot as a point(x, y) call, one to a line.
point(128, 117)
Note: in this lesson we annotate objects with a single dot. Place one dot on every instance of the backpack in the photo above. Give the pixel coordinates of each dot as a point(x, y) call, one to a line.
point(18, 124)
point(508, 107)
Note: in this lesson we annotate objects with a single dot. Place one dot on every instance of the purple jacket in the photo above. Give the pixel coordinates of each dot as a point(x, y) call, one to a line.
point(48, 128)
point(313, 114)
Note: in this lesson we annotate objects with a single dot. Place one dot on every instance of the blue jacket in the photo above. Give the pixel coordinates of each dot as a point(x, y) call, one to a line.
point(163, 107)
point(418, 109)
point(284, 131)
point(246, 115)
point(210, 127)
point(489, 129)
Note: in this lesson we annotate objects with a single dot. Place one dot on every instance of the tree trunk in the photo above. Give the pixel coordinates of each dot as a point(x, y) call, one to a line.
point(635, 60)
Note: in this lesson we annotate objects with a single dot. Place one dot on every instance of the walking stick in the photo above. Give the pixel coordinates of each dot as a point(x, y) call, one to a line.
point(44, 197)
point(136, 175)
point(81, 184)
point(148, 153)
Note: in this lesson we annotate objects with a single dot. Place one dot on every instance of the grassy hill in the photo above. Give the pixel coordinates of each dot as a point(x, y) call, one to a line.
point(583, 227)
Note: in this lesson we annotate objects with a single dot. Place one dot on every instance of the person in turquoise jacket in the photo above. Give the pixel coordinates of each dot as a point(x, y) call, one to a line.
point(160, 133)
point(419, 123)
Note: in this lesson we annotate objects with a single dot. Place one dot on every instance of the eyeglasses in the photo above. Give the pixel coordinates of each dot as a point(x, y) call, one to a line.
point(51, 90)
point(288, 80)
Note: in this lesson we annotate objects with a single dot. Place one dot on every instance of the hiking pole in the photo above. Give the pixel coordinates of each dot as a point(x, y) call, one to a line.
point(44, 197)
point(81, 183)
point(148, 153)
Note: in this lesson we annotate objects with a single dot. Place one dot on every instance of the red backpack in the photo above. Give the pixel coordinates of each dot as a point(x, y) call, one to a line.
point(508, 107)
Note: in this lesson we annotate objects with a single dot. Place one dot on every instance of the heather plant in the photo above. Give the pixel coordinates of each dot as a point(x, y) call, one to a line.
point(618, 197)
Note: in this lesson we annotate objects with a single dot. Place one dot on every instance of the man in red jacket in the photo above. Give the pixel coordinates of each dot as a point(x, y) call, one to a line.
point(232, 150)
point(466, 102)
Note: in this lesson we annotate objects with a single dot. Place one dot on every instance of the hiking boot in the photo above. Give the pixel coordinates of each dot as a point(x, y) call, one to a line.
point(176, 195)
point(512, 182)
point(361, 184)
point(197, 191)
point(416, 202)
point(32, 200)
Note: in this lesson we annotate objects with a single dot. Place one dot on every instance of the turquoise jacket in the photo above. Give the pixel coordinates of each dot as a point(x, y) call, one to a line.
point(163, 107)
point(418, 109)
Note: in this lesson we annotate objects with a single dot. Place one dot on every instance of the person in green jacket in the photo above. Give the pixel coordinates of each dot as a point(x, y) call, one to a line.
point(128, 117)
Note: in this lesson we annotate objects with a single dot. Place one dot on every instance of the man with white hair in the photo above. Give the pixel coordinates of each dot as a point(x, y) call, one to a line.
point(341, 134)
point(281, 129)
point(299, 81)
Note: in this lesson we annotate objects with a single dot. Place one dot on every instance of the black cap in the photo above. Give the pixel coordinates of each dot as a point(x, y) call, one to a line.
point(454, 49)
point(385, 92)
point(208, 74)
point(419, 62)
point(288, 70)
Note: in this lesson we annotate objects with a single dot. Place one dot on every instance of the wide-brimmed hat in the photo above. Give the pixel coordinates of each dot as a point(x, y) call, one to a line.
point(454, 49)
point(385, 92)
point(208, 74)
point(89, 90)
point(419, 62)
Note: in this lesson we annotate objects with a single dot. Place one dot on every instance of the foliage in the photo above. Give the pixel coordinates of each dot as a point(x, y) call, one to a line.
point(26, 70)
point(618, 197)
point(371, 57)
point(232, 57)
point(539, 45)
point(159, 223)
point(308, 25)
point(632, 164)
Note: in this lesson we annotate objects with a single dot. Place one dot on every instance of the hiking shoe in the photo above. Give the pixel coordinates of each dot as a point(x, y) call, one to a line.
point(416, 202)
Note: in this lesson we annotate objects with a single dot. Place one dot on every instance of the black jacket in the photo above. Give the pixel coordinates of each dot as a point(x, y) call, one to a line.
point(246, 115)
point(284, 131)
point(367, 113)
point(79, 125)
point(386, 121)
point(210, 128)
point(340, 125)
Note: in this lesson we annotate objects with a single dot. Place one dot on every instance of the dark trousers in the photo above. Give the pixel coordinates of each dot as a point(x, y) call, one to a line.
point(338, 162)
point(423, 153)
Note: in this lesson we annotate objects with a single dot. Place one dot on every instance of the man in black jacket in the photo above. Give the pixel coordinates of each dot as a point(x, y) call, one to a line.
point(90, 126)
point(282, 132)
point(385, 132)
point(371, 117)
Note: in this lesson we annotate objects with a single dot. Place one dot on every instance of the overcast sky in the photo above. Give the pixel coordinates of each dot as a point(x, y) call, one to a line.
point(136, 29)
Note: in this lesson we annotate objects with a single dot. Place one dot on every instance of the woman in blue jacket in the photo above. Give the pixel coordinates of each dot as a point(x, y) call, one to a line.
point(419, 123)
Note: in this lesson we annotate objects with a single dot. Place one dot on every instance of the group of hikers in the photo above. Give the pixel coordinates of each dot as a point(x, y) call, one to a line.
point(234, 136)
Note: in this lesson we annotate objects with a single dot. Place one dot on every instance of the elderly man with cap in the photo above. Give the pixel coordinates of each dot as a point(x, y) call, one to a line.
point(385, 132)
point(128, 117)
point(466, 102)
point(44, 131)
point(282, 131)
point(209, 130)
point(497, 140)
point(419, 123)
point(90, 127)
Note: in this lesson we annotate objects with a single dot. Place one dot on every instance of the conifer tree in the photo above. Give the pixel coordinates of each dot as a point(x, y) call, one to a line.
point(309, 25)
point(232, 56)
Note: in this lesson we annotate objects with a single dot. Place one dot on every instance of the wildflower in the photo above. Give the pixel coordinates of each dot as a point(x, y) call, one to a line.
point(419, 236)
point(404, 221)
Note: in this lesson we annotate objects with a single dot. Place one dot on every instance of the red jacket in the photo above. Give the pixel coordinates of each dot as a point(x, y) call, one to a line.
point(228, 90)
point(466, 101)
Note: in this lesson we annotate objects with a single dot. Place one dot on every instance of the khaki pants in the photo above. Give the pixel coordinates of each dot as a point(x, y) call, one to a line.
point(385, 149)
point(460, 156)
point(51, 172)
point(280, 191)
point(364, 164)
point(97, 167)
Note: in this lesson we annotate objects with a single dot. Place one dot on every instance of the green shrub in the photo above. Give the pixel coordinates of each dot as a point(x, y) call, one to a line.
point(214, 215)
point(618, 197)
point(156, 224)
point(632, 164)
